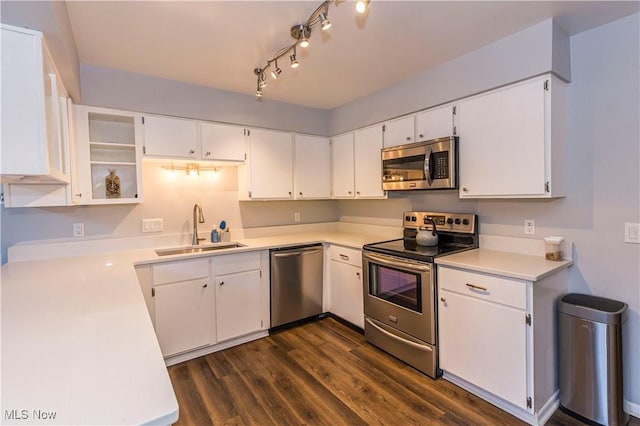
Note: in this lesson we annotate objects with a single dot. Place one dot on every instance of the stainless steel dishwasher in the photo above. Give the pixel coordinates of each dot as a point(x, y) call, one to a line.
point(296, 283)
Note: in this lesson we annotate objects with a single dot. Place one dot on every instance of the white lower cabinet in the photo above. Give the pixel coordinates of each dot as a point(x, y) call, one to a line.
point(346, 298)
point(239, 295)
point(183, 302)
point(208, 304)
point(497, 339)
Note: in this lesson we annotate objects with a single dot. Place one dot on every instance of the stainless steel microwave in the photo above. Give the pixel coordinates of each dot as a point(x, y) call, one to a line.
point(423, 165)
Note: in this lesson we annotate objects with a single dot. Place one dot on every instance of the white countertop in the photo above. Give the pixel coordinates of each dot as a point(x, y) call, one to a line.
point(77, 339)
point(514, 265)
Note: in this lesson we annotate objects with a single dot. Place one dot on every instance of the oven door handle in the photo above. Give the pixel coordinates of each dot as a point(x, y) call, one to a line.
point(400, 339)
point(427, 166)
point(383, 260)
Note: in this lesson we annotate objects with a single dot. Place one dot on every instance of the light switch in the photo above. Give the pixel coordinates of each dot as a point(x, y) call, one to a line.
point(632, 233)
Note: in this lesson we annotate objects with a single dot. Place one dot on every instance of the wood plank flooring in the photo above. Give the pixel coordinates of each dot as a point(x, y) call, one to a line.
point(323, 373)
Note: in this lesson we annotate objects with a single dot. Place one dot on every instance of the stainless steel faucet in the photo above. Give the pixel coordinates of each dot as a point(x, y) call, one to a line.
point(197, 210)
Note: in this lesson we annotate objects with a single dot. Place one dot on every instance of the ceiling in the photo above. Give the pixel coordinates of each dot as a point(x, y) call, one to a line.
point(219, 43)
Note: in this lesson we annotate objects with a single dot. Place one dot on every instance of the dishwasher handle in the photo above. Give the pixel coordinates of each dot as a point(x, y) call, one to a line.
point(297, 251)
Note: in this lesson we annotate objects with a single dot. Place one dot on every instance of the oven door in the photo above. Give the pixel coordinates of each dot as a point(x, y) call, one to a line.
point(400, 293)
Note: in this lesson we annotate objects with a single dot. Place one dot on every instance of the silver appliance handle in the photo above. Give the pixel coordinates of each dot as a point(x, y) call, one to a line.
point(400, 339)
point(427, 166)
point(297, 252)
point(396, 263)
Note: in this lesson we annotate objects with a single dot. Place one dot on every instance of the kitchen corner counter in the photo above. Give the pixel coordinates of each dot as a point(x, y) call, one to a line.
point(514, 265)
point(78, 346)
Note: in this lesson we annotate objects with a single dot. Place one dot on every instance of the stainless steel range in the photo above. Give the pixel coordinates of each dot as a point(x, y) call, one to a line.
point(400, 286)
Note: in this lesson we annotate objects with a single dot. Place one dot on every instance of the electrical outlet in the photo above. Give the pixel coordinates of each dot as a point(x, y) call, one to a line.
point(296, 217)
point(632, 233)
point(78, 229)
point(152, 225)
point(529, 227)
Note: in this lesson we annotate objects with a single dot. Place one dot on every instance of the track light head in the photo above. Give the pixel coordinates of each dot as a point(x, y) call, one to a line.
point(275, 73)
point(301, 33)
point(324, 21)
point(361, 6)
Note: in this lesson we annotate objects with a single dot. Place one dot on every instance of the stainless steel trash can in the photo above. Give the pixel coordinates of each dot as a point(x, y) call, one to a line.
point(590, 352)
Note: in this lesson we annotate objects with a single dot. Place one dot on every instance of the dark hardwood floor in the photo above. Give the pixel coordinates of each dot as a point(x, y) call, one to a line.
point(323, 373)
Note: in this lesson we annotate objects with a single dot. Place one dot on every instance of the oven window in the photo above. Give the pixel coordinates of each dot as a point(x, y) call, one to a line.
point(403, 169)
point(396, 286)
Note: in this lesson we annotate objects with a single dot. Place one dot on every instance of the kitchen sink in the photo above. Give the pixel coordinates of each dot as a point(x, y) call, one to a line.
point(198, 249)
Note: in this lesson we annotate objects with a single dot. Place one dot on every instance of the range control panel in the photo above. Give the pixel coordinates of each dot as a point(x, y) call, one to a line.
point(454, 222)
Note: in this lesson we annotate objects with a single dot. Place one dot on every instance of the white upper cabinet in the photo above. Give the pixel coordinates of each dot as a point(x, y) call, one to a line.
point(399, 132)
point(342, 171)
point(170, 137)
point(435, 123)
point(34, 149)
point(312, 173)
point(512, 141)
point(108, 155)
point(222, 142)
point(268, 173)
point(368, 162)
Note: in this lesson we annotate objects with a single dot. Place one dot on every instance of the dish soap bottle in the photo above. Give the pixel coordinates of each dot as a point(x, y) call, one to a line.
point(215, 236)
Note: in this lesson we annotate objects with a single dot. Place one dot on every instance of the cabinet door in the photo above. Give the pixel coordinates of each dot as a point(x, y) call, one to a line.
point(502, 142)
point(342, 170)
point(270, 165)
point(485, 344)
point(170, 137)
point(222, 142)
point(346, 299)
point(107, 141)
point(435, 123)
point(368, 162)
point(238, 304)
point(399, 132)
point(32, 140)
point(184, 316)
point(312, 172)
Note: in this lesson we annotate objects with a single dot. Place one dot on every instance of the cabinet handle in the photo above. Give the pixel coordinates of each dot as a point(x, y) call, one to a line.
point(191, 151)
point(289, 193)
point(301, 194)
point(465, 190)
point(79, 194)
point(357, 192)
point(408, 138)
point(421, 135)
point(208, 153)
point(221, 282)
point(343, 256)
point(442, 299)
point(358, 275)
point(349, 192)
point(477, 287)
point(204, 285)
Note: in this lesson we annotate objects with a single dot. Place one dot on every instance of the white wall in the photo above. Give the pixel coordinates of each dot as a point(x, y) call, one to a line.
point(603, 182)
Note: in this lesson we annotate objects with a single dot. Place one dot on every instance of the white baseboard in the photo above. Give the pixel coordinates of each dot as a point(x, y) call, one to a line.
point(631, 408)
point(536, 419)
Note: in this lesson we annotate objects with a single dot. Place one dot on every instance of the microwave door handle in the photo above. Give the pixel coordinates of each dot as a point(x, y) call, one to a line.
point(427, 166)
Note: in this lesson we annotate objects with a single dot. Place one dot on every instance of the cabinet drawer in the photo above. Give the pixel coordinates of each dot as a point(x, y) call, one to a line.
point(486, 287)
point(232, 263)
point(346, 255)
point(180, 271)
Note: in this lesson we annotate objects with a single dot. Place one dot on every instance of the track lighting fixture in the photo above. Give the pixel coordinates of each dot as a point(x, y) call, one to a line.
point(300, 34)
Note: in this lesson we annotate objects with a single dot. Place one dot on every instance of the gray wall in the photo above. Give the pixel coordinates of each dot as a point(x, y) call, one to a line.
point(603, 181)
point(119, 89)
point(536, 50)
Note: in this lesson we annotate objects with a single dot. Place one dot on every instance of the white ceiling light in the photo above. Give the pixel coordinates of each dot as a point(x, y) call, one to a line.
point(361, 6)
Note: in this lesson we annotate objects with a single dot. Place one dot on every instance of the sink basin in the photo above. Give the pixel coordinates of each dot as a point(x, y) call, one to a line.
point(198, 249)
